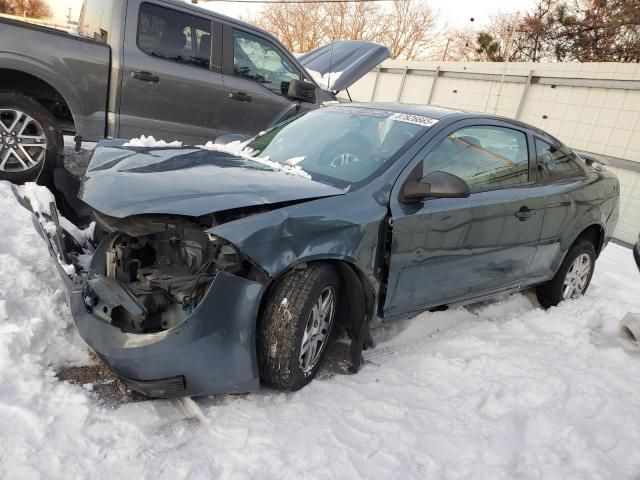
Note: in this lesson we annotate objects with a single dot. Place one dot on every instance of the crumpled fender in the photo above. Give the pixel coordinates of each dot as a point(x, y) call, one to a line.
point(278, 240)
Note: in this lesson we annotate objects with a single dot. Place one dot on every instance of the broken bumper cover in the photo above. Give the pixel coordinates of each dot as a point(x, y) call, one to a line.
point(212, 351)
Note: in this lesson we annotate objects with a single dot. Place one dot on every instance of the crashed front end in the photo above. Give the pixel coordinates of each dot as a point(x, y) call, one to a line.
point(168, 305)
point(170, 308)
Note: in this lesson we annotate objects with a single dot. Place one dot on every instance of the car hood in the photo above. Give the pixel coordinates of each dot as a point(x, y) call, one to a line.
point(338, 65)
point(123, 181)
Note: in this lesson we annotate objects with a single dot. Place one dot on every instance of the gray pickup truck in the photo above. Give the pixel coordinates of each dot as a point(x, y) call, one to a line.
point(155, 67)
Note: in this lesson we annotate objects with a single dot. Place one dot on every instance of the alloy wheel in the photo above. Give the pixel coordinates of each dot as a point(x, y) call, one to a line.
point(575, 281)
point(317, 329)
point(23, 144)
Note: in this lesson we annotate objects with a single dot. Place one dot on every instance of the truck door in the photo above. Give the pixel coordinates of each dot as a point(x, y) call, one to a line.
point(257, 75)
point(172, 82)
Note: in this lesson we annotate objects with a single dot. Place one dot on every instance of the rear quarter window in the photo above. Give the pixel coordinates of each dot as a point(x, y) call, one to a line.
point(556, 162)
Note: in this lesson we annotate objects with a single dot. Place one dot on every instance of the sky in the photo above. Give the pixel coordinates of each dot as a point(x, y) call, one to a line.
point(456, 13)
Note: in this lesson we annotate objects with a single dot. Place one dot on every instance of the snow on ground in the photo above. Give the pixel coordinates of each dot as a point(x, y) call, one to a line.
point(497, 390)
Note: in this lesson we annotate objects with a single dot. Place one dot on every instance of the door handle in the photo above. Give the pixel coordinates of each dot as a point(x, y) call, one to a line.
point(524, 213)
point(145, 77)
point(240, 96)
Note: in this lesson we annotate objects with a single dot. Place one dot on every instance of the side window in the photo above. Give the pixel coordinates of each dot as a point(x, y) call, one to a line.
point(258, 59)
point(175, 36)
point(485, 157)
point(556, 162)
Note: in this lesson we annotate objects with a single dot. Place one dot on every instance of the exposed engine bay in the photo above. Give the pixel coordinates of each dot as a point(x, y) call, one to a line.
point(150, 273)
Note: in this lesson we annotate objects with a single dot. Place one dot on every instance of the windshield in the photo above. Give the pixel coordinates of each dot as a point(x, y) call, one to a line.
point(341, 146)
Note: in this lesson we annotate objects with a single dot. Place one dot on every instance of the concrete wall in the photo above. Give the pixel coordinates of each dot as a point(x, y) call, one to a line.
point(592, 107)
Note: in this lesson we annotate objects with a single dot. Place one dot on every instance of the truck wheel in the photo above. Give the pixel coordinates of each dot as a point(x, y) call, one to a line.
point(29, 138)
point(573, 276)
point(295, 326)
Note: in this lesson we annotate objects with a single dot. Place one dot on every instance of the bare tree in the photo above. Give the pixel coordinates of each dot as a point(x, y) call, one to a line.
point(28, 8)
point(410, 29)
point(353, 21)
point(407, 28)
point(297, 25)
point(460, 46)
point(6, 6)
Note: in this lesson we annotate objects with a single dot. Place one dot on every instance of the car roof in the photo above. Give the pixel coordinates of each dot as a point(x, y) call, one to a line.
point(439, 113)
point(423, 110)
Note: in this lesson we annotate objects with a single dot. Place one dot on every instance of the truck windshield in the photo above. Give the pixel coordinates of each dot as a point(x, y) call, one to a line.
point(341, 146)
point(95, 19)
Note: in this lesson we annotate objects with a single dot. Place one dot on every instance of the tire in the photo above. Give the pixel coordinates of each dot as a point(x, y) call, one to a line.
point(553, 292)
point(287, 316)
point(37, 121)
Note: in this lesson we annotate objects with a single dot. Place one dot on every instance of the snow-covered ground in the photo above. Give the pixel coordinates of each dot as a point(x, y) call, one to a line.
point(497, 390)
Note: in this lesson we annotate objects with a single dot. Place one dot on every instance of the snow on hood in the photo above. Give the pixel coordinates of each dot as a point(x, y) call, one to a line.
point(240, 149)
point(150, 141)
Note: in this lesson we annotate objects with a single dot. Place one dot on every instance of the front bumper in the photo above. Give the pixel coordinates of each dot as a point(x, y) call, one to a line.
point(212, 351)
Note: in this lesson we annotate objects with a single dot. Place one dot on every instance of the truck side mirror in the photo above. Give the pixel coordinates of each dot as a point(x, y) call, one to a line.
point(301, 90)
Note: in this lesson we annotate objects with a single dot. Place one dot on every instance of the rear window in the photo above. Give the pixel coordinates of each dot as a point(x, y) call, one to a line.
point(175, 36)
point(95, 19)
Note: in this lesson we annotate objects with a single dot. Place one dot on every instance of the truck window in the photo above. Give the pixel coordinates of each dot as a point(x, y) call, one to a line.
point(259, 60)
point(175, 36)
point(95, 19)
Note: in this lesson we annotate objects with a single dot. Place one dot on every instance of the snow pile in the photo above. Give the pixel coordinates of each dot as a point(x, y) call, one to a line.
point(240, 149)
point(41, 201)
point(498, 390)
point(151, 142)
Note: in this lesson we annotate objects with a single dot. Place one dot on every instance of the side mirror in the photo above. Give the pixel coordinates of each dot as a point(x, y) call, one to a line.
point(435, 185)
point(301, 90)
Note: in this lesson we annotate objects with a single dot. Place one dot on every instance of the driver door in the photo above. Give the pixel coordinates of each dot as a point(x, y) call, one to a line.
point(256, 75)
point(448, 250)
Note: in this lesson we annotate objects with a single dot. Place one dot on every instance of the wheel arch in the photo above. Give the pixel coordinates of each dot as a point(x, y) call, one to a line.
point(355, 310)
point(593, 232)
point(42, 91)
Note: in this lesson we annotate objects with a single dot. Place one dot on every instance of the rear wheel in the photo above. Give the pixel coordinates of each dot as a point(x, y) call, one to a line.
point(573, 276)
point(295, 326)
point(29, 138)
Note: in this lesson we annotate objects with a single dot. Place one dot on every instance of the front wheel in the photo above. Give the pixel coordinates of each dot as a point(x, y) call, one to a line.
point(295, 326)
point(29, 137)
point(573, 276)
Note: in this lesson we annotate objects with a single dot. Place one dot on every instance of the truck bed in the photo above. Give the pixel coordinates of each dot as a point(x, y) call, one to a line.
point(73, 67)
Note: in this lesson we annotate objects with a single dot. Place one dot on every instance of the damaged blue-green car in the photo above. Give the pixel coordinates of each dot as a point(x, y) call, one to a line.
point(219, 268)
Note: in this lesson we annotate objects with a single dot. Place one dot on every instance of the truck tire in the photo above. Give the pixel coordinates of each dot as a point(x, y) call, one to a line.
point(296, 325)
point(572, 278)
point(29, 138)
